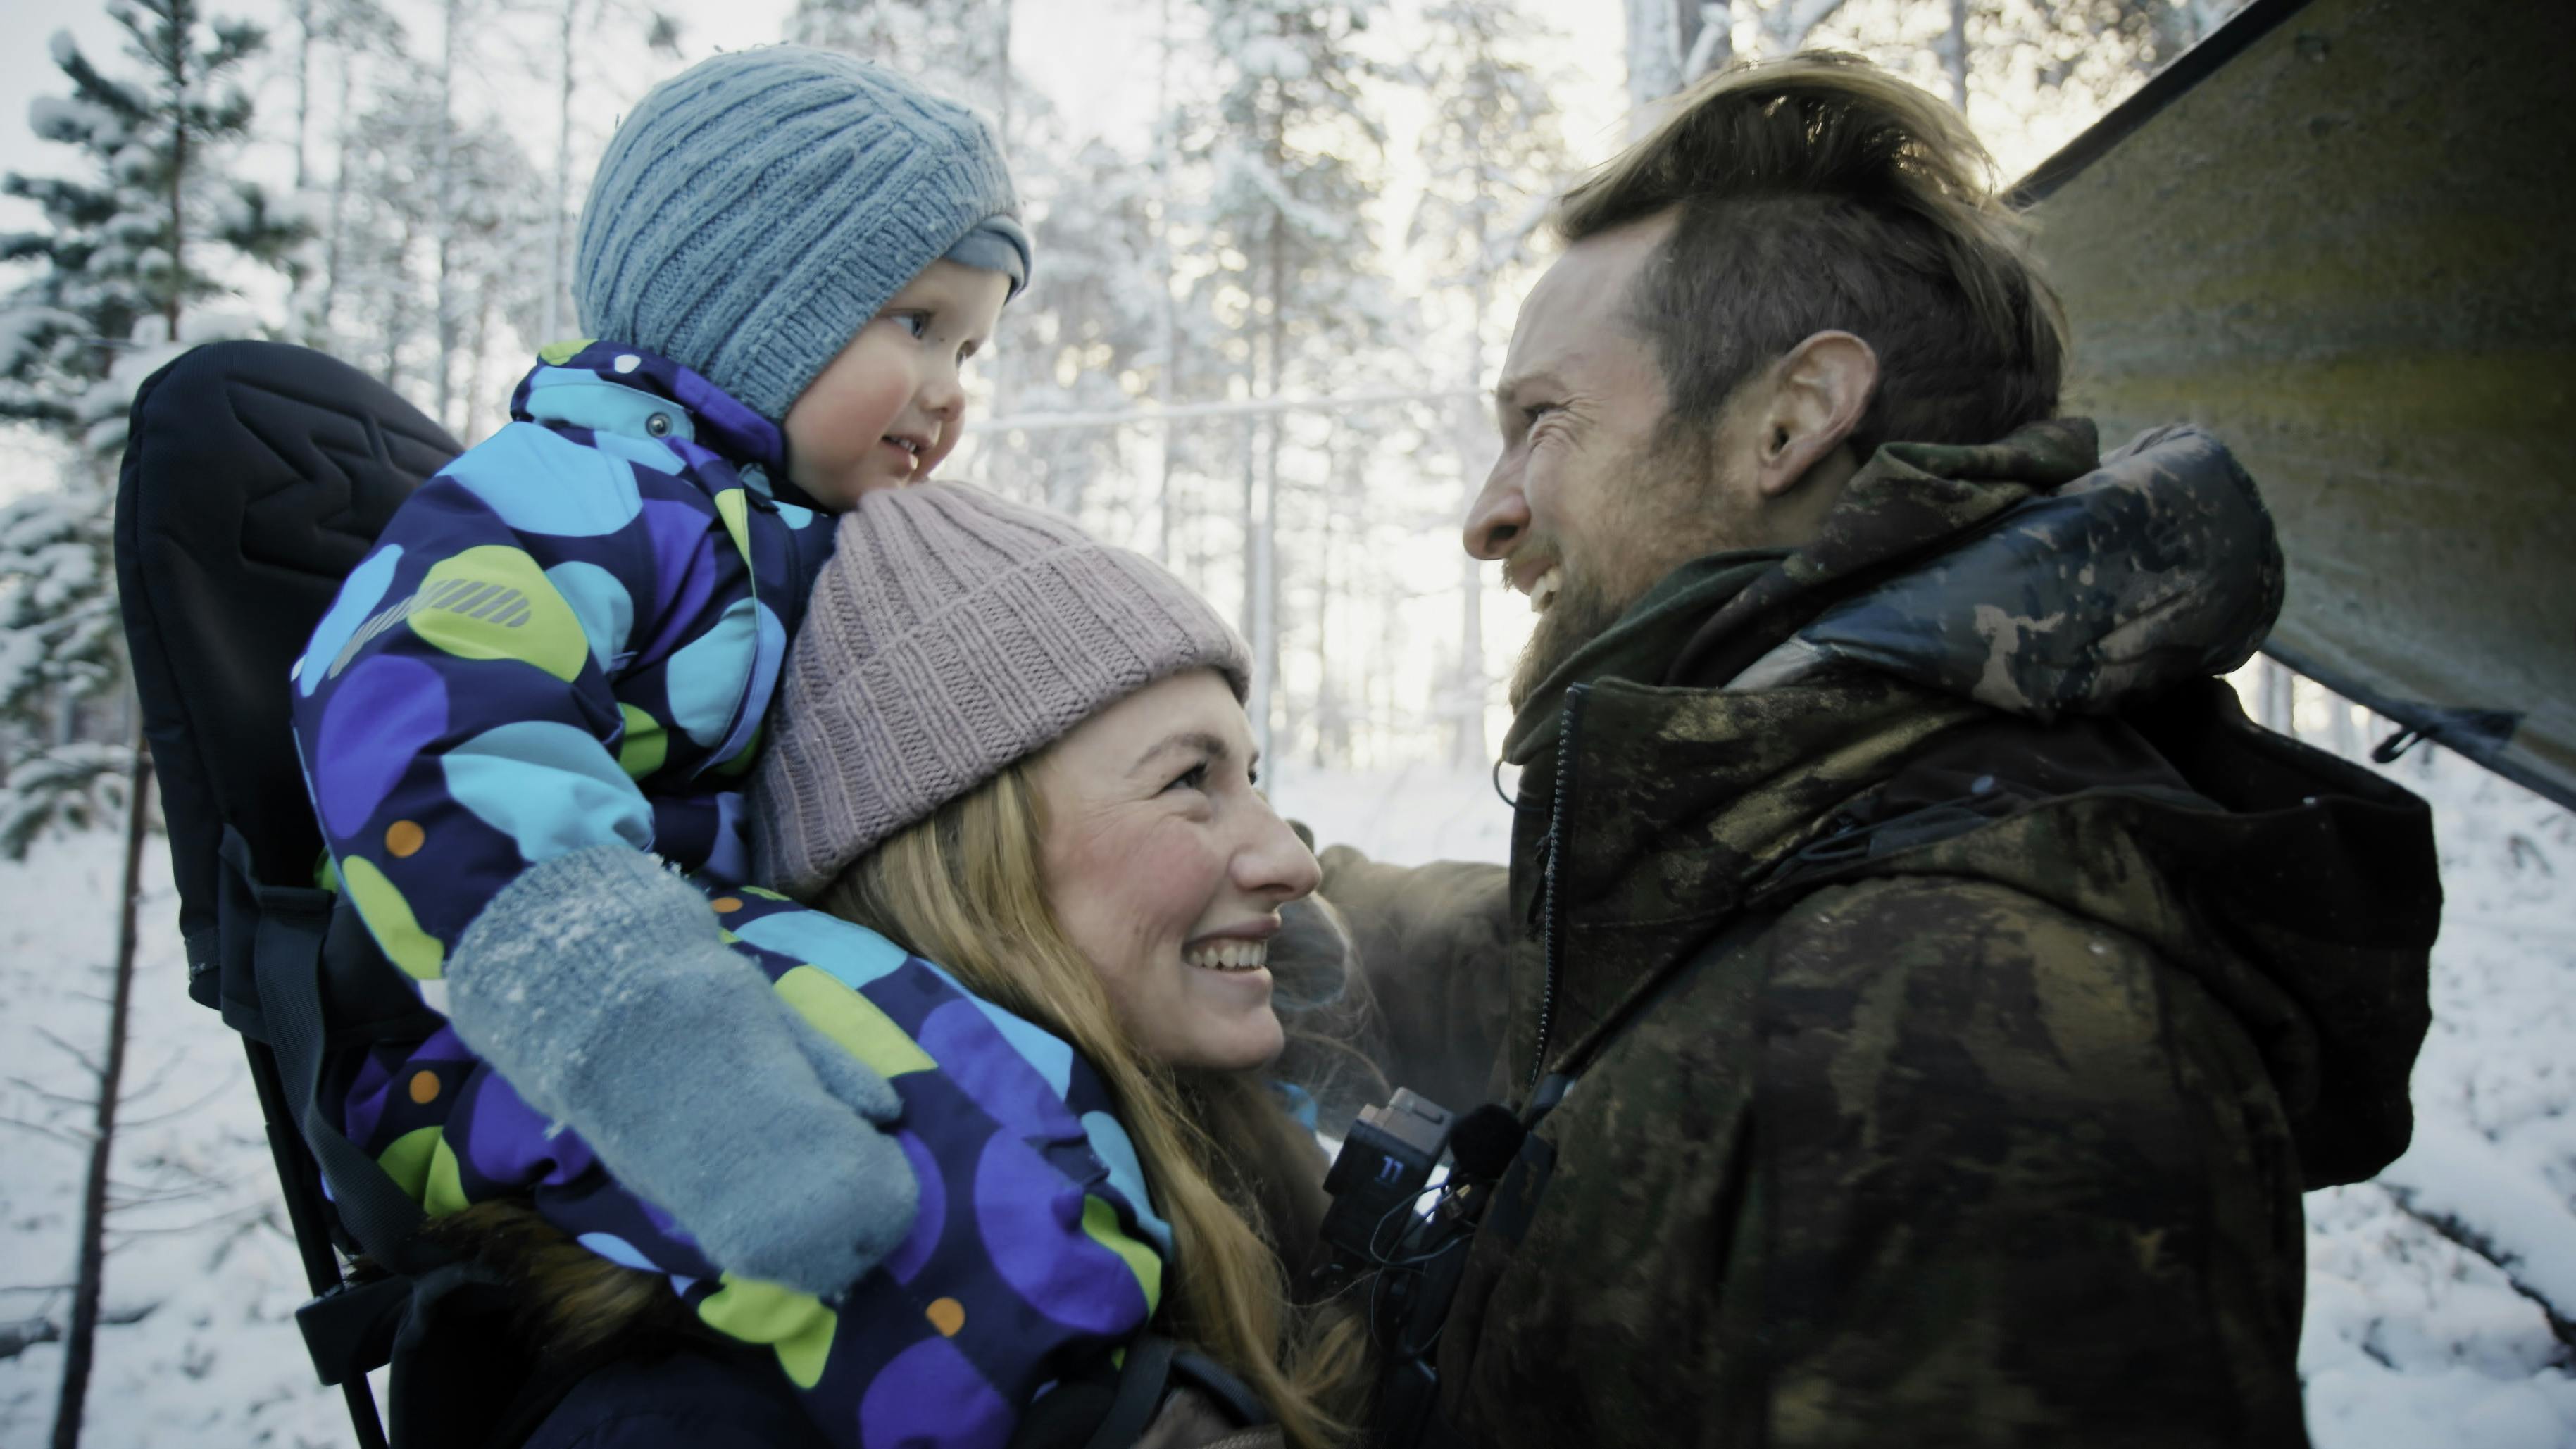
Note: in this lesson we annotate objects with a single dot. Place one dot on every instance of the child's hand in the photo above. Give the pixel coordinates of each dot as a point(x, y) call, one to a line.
point(596, 985)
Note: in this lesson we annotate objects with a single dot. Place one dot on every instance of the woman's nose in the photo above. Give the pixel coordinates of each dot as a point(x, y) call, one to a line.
point(1274, 862)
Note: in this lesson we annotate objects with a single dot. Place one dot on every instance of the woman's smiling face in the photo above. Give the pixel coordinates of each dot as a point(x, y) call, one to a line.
point(1167, 869)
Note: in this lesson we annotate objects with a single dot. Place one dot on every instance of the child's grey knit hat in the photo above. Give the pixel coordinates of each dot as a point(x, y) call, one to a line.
point(758, 208)
point(951, 634)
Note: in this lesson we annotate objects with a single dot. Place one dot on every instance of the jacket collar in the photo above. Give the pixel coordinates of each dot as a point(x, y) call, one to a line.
point(609, 387)
point(1676, 802)
point(1686, 778)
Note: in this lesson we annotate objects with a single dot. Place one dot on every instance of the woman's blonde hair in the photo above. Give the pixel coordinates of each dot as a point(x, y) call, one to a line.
point(965, 888)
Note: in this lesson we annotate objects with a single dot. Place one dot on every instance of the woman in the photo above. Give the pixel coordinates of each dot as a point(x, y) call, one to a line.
point(1022, 756)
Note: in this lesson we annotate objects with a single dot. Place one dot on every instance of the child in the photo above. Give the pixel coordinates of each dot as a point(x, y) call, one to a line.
point(558, 658)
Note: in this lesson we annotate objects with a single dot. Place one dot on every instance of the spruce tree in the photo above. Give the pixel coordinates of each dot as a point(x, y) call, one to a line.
point(133, 242)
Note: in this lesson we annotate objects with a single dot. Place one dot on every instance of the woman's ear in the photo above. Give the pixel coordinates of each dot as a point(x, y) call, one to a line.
point(1818, 393)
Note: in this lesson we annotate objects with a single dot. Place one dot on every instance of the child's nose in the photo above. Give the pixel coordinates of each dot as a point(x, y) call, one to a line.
point(943, 394)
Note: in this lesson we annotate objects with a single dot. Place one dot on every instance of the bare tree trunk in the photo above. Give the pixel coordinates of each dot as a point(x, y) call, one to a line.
point(1714, 48)
point(1467, 727)
point(334, 247)
point(398, 317)
point(474, 362)
point(1261, 573)
point(180, 17)
point(2343, 733)
point(441, 388)
point(558, 227)
point(1954, 54)
point(1786, 28)
point(303, 87)
point(1654, 59)
point(1165, 376)
point(80, 1346)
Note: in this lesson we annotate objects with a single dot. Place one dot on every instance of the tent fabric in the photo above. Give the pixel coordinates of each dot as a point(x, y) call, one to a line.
point(2336, 235)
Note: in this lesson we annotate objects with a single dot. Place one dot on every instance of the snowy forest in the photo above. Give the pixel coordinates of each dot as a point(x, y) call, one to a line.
point(1279, 248)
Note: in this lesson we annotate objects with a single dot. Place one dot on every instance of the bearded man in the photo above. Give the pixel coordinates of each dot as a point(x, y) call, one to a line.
point(1930, 993)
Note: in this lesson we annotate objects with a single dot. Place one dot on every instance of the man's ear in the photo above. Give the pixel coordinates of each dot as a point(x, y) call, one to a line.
point(1818, 393)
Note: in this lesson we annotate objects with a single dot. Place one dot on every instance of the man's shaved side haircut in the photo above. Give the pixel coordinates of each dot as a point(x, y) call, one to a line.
point(1820, 193)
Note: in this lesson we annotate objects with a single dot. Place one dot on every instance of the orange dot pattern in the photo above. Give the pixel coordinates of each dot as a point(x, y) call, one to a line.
point(424, 1087)
point(947, 1315)
point(404, 838)
point(726, 905)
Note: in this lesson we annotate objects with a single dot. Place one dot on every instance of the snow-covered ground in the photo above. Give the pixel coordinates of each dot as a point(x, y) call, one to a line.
point(2414, 1341)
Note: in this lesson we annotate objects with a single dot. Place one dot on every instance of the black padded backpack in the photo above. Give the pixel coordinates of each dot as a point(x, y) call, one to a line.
point(256, 475)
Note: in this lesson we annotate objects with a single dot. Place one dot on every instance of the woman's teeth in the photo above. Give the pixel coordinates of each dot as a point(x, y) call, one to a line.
point(1230, 955)
point(1543, 593)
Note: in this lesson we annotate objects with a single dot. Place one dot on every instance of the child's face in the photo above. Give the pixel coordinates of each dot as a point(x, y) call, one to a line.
point(888, 409)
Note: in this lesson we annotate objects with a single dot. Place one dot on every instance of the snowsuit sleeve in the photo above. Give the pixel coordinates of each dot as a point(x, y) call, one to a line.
point(454, 711)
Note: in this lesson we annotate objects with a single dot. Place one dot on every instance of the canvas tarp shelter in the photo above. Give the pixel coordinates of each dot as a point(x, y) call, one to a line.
point(2338, 234)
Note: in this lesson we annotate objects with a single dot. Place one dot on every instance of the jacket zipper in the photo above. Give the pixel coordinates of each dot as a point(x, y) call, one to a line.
point(1549, 926)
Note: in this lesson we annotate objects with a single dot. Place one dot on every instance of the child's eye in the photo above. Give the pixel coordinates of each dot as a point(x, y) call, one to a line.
point(916, 323)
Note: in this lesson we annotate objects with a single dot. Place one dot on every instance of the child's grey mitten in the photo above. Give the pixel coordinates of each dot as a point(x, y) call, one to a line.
point(596, 984)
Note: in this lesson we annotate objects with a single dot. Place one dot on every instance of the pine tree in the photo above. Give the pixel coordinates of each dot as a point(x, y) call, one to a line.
point(143, 232)
point(130, 249)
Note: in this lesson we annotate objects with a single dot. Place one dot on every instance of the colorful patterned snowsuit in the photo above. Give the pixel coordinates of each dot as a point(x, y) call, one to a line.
point(568, 639)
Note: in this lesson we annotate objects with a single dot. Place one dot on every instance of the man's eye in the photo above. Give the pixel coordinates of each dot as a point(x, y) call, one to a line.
point(1532, 412)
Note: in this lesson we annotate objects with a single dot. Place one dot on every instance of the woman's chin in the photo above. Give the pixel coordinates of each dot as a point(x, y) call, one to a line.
point(1238, 1045)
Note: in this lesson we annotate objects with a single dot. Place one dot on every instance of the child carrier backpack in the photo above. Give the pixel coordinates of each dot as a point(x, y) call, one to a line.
point(255, 476)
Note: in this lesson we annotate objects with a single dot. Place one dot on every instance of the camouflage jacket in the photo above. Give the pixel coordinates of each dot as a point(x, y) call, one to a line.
point(1959, 991)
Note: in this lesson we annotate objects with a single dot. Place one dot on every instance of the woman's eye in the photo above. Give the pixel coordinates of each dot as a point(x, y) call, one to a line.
point(1193, 778)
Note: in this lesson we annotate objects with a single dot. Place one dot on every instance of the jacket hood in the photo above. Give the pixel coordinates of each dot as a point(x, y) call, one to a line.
point(1994, 664)
point(613, 388)
point(2160, 565)
point(2025, 575)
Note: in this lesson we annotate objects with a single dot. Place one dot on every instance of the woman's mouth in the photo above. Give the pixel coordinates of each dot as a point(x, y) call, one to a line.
point(1228, 955)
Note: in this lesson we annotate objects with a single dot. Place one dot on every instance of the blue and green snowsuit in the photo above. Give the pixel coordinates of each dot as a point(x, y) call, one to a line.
point(567, 639)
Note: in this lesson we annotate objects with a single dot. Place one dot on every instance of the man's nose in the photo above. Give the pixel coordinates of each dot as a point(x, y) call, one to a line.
point(1500, 514)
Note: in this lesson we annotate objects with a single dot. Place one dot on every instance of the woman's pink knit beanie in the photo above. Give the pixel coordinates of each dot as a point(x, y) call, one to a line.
point(951, 634)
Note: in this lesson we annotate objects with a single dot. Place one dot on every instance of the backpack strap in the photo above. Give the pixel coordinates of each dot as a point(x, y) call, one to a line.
point(286, 941)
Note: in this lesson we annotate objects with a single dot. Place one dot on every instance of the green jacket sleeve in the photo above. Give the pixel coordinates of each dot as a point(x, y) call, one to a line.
point(1427, 949)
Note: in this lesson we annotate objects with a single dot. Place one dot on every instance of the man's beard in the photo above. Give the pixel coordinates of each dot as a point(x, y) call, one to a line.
point(1583, 609)
point(1672, 511)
